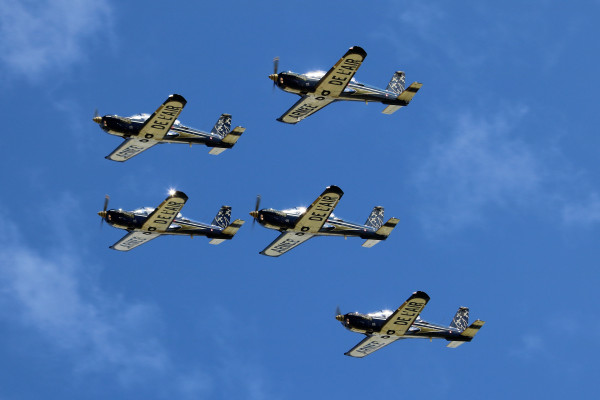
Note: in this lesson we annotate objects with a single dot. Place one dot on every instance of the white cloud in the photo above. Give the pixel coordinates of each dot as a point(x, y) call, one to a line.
point(56, 295)
point(37, 36)
point(477, 165)
point(586, 212)
point(101, 332)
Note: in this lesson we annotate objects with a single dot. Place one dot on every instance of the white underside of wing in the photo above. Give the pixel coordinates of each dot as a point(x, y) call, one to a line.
point(129, 148)
point(285, 242)
point(133, 240)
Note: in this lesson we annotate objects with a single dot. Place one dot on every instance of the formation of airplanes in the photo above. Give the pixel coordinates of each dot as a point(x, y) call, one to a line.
point(296, 225)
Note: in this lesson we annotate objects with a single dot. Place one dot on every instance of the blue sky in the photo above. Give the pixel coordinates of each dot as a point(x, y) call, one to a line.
point(492, 171)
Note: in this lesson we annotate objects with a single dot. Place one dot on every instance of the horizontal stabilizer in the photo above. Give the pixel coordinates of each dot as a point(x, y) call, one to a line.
point(370, 242)
point(469, 334)
point(405, 96)
point(233, 227)
point(231, 138)
point(387, 228)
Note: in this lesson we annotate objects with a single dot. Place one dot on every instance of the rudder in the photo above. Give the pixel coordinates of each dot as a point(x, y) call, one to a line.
point(461, 319)
point(375, 220)
point(397, 83)
point(223, 126)
point(223, 217)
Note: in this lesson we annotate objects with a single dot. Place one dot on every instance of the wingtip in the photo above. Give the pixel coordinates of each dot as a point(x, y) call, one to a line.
point(358, 50)
point(421, 295)
point(335, 189)
point(177, 97)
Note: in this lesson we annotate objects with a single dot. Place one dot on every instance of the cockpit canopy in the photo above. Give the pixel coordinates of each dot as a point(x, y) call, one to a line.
point(143, 117)
point(145, 211)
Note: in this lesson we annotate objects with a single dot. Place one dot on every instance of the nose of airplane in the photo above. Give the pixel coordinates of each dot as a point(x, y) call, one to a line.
point(273, 77)
point(102, 214)
point(98, 119)
point(339, 317)
point(254, 214)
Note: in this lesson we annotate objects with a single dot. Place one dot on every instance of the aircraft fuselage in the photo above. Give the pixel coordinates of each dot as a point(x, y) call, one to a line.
point(282, 221)
point(127, 127)
point(303, 85)
point(367, 324)
point(132, 220)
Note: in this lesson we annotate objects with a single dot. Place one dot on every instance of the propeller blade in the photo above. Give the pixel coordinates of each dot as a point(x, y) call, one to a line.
point(97, 118)
point(102, 214)
point(255, 213)
point(338, 314)
point(275, 69)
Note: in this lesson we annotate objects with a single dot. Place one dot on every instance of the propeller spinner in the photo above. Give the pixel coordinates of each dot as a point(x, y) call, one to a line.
point(97, 118)
point(338, 314)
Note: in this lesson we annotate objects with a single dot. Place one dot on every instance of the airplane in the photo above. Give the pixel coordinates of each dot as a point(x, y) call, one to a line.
point(318, 89)
point(145, 224)
point(142, 131)
point(387, 326)
point(299, 224)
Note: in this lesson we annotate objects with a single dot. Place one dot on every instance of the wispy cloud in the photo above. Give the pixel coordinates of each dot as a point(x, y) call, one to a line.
point(38, 36)
point(476, 165)
point(55, 294)
point(482, 164)
point(584, 212)
point(101, 332)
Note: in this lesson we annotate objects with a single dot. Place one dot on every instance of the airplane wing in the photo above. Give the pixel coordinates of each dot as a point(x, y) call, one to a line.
point(370, 344)
point(337, 78)
point(316, 215)
point(285, 242)
point(398, 323)
point(159, 123)
point(163, 215)
point(129, 148)
point(304, 107)
point(133, 239)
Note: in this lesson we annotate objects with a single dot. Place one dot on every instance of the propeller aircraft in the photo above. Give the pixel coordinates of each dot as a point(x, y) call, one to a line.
point(145, 224)
point(297, 225)
point(142, 131)
point(318, 89)
point(387, 326)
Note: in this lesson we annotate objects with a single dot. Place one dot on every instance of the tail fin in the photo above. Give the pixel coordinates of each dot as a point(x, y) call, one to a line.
point(375, 220)
point(222, 218)
point(223, 126)
point(397, 83)
point(384, 230)
point(229, 230)
point(461, 319)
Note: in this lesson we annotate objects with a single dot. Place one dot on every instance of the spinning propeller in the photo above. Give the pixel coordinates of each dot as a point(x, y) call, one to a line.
point(97, 118)
point(338, 314)
point(274, 75)
point(102, 213)
point(254, 213)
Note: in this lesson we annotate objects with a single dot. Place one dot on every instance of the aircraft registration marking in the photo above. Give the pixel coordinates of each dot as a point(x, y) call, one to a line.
point(303, 111)
point(167, 213)
point(287, 244)
point(130, 151)
point(347, 68)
